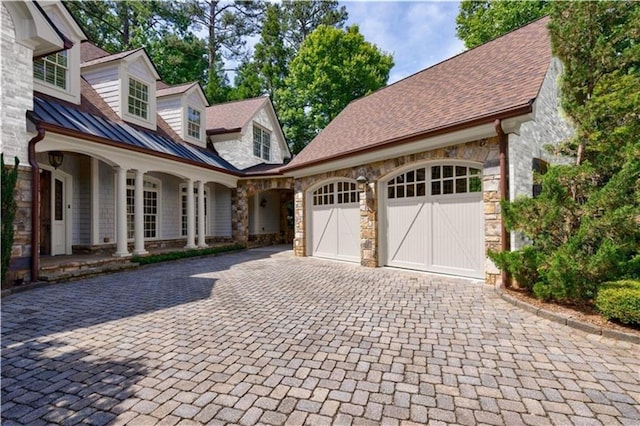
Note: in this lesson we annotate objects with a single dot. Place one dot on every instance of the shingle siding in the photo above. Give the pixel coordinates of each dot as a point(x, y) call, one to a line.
point(106, 83)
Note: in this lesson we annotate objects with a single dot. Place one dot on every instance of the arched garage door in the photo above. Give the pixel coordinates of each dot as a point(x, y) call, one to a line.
point(434, 220)
point(335, 221)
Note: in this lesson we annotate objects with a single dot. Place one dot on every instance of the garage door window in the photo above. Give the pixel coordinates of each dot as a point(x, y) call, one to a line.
point(450, 179)
point(408, 185)
point(336, 193)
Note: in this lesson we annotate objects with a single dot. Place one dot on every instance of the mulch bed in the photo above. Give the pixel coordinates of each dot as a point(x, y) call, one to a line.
point(585, 313)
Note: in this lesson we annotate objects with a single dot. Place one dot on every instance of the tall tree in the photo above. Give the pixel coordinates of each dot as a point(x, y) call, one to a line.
point(480, 21)
point(301, 18)
point(123, 25)
point(332, 68)
point(228, 24)
point(179, 59)
point(584, 225)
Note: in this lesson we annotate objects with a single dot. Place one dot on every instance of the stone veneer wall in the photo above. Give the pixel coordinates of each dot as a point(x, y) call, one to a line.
point(240, 203)
point(484, 151)
point(20, 266)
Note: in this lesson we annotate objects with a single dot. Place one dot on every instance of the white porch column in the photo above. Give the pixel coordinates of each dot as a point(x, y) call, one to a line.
point(138, 211)
point(201, 231)
point(121, 213)
point(191, 219)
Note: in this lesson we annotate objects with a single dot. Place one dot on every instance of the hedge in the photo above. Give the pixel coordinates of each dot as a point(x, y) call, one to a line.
point(620, 300)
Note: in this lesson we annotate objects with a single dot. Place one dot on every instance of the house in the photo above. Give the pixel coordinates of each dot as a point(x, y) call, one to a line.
point(411, 176)
point(113, 160)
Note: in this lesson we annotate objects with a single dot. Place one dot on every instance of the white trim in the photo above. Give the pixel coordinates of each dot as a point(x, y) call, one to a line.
point(131, 174)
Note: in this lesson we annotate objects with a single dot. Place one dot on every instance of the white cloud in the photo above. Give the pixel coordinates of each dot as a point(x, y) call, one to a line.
point(418, 33)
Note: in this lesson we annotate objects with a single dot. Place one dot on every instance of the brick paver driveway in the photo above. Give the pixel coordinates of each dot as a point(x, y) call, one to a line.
point(262, 337)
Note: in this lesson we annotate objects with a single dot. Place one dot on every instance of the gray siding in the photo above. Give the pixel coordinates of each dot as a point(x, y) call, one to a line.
point(105, 81)
point(221, 200)
point(106, 200)
point(171, 111)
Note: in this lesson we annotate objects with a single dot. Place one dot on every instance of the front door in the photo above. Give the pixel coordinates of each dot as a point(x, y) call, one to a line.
point(59, 213)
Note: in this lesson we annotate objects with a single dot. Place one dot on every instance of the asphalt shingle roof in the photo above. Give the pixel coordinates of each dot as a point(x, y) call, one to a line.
point(496, 77)
point(232, 116)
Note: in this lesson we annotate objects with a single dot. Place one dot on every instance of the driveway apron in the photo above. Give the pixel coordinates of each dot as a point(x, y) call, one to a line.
point(263, 337)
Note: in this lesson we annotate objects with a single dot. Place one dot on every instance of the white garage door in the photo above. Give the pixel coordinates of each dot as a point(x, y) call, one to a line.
point(335, 221)
point(434, 220)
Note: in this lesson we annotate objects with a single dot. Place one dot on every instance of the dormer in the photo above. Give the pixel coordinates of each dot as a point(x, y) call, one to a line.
point(247, 133)
point(127, 83)
point(58, 74)
point(184, 108)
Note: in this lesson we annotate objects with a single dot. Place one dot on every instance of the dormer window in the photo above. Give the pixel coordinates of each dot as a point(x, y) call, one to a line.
point(52, 69)
point(261, 143)
point(138, 98)
point(193, 123)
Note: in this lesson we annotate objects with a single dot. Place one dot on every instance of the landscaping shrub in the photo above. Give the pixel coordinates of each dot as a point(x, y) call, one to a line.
point(522, 265)
point(9, 178)
point(175, 255)
point(620, 300)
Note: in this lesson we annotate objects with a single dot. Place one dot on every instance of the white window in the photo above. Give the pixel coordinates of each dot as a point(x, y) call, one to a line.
point(138, 98)
point(183, 197)
point(52, 69)
point(336, 193)
point(261, 143)
point(193, 123)
point(150, 206)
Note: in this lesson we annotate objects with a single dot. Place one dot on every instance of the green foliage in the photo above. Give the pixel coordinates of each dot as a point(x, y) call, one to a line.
point(332, 68)
point(620, 301)
point(179, 59)
point(521, 264)
point(176, 255)
point(481, 21)
point(585, 225)
point(9, 179)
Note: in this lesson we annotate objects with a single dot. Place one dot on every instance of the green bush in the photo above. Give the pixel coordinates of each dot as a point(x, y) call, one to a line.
point(9, 178)
point(175, 255)
point(620, 300)
point(522, 265)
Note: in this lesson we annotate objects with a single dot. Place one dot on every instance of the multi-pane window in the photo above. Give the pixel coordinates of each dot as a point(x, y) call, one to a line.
point(138, 98)
point(336, 193)
point(52, 69)
point(445, 179)
point(193, 123)
point(150, 208)
point(261, 143)
point(183, 197)
point(450, 179)
point(409, 184)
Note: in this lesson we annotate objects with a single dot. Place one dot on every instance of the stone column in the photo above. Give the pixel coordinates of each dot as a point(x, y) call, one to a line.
point(240, 214)
point(299, 246)
point(138, 211)
point(368, 226)
point(201, 228)
point(191, 220)
point(121, 213)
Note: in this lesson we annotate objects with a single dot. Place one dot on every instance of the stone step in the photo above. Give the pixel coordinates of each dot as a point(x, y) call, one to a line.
point(86, 272)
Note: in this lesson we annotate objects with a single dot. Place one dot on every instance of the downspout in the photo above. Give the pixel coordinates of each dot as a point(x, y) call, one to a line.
point(505, 237)
point(35, 205)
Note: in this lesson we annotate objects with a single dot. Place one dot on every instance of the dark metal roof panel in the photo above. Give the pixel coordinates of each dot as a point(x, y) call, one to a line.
point(67, 117)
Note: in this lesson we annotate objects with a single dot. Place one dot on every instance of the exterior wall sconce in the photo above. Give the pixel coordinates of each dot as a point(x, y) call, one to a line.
point(362, 180)
point(55, 158)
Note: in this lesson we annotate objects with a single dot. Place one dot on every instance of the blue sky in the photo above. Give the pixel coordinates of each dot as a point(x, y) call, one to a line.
point(417, 33)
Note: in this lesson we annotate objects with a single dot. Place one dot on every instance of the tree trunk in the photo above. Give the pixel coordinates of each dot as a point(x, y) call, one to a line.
point(213, 6)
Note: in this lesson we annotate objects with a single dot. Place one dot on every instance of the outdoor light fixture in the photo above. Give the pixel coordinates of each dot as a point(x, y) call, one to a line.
point(55, 158)
point(362, 180)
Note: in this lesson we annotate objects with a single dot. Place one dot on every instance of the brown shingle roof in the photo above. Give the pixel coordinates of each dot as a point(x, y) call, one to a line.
point(172, 90)
point(498, 76)
point(89, 52)
point(232, 116)
point(110, 58)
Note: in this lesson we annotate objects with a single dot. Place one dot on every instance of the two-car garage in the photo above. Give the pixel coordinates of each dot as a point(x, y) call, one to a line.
point(430, 218)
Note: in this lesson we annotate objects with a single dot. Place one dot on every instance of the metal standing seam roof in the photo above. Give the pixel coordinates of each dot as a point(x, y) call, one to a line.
point(57, 114)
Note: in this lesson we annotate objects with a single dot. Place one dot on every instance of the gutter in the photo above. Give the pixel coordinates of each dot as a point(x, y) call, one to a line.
point(505, 236)
point(35, 205)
